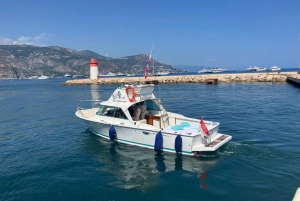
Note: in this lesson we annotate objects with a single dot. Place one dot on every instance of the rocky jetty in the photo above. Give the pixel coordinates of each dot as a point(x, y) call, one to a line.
point(222, 78)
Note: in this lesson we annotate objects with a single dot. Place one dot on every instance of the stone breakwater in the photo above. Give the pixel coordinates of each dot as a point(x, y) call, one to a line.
point(200, 78)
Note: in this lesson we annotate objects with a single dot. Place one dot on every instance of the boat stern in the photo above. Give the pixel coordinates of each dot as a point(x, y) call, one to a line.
point(212, 144)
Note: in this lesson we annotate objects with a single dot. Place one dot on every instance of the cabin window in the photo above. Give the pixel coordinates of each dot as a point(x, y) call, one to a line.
point(108, 111)
point(100, 110)
point(111, 111)
point(120, 114)
point(151, 105)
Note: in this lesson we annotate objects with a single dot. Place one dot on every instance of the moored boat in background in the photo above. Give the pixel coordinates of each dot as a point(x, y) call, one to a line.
point(121, 74)
point(261, 69)
point(275, 68)
point(109, 75)
point(251, 68)
point(67, 75)
point(204, 70)
point(130, 75)
point(161, 73)
point(219, 70)
point(43, 77)
point(79, 76)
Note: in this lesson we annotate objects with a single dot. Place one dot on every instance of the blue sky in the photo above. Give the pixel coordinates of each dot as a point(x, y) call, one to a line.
point(233, 34)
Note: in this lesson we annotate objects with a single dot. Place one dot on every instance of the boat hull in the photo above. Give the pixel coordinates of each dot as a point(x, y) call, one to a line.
point(142, 137)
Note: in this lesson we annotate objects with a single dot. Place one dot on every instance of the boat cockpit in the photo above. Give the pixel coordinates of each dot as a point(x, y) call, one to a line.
point(151, 107)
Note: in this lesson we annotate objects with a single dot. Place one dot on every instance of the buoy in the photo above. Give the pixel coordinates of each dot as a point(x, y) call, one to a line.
point(178, 144)
point(112, 133)
point(158, 142)
point(93, 69)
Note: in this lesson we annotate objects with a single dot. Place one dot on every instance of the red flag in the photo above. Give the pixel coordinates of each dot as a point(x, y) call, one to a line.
point(203, 126)
point(146, 71)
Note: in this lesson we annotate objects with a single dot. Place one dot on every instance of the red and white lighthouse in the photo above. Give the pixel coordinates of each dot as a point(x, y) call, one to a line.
point(93, 69)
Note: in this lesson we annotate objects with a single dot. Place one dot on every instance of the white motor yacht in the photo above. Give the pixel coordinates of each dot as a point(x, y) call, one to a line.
point(160, 130)
point(275, 68)
point(204, 70)
point(219, 70)
point(121, 74)
point(43, 77)
point(162, 73)
point(251, 68)
point(79, 76)
point(109, 75)
point(67, 75)
point(261, 69)
point(130, 75)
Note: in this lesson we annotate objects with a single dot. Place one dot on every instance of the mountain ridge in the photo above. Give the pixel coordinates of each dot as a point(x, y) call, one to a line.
point(24, 61)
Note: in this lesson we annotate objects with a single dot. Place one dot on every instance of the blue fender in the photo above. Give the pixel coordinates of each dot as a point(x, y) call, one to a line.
point(178, 144)
point(158, 142)
point(112, 133)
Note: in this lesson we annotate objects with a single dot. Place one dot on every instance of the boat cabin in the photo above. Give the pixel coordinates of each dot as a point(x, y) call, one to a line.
point(122, 103)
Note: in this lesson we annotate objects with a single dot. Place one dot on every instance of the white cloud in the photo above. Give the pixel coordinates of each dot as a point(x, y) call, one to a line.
point(106, 55)
point(36, 40)
point(6, 41)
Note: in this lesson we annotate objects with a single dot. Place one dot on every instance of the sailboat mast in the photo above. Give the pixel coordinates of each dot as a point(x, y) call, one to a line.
point(151, 56)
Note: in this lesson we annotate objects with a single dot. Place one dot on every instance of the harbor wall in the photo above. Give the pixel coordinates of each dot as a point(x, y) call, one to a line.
point(201, 78)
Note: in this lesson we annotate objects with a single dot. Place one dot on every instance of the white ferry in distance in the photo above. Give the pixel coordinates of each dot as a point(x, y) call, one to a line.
point(275, 68)
point(251, 68)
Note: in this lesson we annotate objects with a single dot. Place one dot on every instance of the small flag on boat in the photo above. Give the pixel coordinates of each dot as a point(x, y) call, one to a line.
point(147, 69)
point(203, 126)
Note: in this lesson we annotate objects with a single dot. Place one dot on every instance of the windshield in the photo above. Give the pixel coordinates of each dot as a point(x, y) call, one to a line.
point(111, 111)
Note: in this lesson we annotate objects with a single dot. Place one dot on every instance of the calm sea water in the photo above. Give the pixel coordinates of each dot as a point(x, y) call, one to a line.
point(49, 154)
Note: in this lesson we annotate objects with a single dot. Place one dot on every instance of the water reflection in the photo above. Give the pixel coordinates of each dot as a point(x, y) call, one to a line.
point(95, 95)
point(95, 92)
point(143, 169)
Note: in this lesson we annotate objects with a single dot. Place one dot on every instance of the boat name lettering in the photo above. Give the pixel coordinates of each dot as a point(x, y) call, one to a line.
point(117, 95)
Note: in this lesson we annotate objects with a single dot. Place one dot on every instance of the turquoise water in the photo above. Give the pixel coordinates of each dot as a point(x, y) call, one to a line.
point(49, 154)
